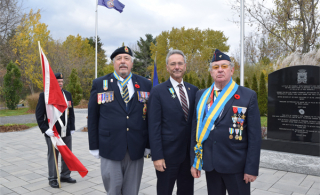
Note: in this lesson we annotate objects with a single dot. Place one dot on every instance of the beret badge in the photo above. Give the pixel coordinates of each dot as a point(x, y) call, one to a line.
point(126, 49)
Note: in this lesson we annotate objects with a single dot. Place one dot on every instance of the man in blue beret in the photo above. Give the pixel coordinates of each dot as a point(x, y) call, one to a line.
point(226, 132)
point(117, 124)
point(65, 127)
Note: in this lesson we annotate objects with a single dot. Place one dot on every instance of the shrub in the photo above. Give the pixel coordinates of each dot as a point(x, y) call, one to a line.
point(33, 101)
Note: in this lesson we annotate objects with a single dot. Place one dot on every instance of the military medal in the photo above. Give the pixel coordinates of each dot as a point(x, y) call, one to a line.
point(231, 130)
point(243, 112)
point(241, 124)
point(238, 121)
point(239, 111)
point(172, 93)
point(99, 98)
point(105, 85)
point(103, 99)
point(111, 80)
point(240, 137)
point(111, 96)
point(69, 104)
point(237, 137)
point(235, 110)
point(234, 120)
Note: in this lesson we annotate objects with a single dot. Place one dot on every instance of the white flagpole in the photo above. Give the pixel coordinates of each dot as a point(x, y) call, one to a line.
point(242, 44)
point(96, 62)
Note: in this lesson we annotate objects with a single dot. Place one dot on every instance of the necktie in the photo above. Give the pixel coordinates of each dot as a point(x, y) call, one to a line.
point(125, 94)
point(183, 102)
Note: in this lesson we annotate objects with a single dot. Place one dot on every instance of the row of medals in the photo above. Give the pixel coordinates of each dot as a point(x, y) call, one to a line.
point(237, 121)
point(105, 97)
point(143, 98)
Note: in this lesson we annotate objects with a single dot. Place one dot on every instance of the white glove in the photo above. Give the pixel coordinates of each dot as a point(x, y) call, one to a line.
point(50, 133)
point(147, 152)
point(72, 132)
point(95, 153)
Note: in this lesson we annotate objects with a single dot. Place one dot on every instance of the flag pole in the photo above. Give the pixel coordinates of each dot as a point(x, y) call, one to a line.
point(54, 151)
point(96, 61)
point(242, 44)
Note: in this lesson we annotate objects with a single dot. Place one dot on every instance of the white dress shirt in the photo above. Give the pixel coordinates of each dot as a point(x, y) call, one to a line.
point(129, 85)
point(177, 90)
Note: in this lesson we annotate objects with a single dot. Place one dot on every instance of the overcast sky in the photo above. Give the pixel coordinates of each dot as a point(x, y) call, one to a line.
point(139, 17)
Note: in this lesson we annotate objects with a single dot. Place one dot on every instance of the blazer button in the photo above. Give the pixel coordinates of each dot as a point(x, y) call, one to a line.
point(127, 129)
point(127, 117)
point(215, 142)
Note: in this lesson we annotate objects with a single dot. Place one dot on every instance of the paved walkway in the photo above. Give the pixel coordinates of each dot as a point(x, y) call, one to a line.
point(23, 169)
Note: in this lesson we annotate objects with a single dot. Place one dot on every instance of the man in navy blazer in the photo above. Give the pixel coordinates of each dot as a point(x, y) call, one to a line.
point(170, 110)
point(117, 124)
point(231, 152)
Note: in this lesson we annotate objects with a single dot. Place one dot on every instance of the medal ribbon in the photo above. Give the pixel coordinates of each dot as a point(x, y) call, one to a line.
point(204, 126)
point(125, 81)
point(171, 91)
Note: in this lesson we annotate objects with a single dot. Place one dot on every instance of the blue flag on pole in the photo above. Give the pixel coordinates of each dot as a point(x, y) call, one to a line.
point(112, 4)
point(155, 75)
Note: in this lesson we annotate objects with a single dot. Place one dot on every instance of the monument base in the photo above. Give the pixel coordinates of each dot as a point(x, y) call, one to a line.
point(296, 163)
point(291, 147)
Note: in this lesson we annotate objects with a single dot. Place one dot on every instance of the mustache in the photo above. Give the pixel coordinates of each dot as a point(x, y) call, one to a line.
point(123, 65)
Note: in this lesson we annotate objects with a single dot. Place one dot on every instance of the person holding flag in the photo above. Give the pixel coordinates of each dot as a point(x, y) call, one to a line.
point(117, 124)
point(226, 132)
point(65, 127)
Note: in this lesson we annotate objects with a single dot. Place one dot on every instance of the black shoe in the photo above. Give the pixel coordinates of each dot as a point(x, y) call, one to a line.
point(68, 180)
point(54, 184)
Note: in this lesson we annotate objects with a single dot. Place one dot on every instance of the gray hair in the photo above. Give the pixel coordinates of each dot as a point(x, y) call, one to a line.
point(175, 51)
point(210, 67)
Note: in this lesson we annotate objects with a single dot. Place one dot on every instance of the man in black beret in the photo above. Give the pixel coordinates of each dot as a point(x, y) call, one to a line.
point(65, 127)
point(228, 120)
point(117, 124)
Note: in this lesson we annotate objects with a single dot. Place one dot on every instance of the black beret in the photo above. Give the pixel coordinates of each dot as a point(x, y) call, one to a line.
point(218, 55)
point(124, 49)
point(58, 75)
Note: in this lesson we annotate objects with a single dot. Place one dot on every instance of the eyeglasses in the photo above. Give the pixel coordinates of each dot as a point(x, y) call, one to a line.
point(223, 66)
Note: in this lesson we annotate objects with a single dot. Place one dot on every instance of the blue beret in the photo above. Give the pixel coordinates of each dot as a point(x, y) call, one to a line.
point(218, 55)
point(58, 75)
point(124, 49)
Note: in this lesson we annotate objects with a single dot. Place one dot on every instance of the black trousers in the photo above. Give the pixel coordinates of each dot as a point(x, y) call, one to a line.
point(218, 183)
point(176, 172)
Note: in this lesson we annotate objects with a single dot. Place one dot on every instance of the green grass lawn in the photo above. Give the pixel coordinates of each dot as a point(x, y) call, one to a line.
point(264, 121)
point(19, 111)
point(27, 124)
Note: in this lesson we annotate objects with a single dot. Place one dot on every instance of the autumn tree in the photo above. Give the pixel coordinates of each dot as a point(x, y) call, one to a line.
point(209, 81)
point(74, 87)
point(12, 86)
point(263, 97)
point(238, 80)
point(102, 57)
point(246, 84)
point(25, 43)
point(293, 23)
point(143, 56)
point(203, 84)
point(197, 45)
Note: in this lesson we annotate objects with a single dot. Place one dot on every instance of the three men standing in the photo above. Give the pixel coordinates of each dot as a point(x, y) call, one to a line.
point(65, 127)
point(226, 132)
point(117, 124)
point(170, 113)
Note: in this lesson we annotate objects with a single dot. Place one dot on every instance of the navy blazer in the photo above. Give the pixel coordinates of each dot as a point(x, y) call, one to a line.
point(111, 128)
point(169, 132)
point(42, 119)
point(230, 155)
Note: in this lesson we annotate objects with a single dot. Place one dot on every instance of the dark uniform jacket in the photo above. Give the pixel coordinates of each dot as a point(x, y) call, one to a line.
point(42, 119)
point(111, 128)
point(169, 132)
point(227, 155)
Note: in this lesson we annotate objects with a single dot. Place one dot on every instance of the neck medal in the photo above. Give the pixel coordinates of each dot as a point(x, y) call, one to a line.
point(105, 85)
point(237, 132)
point(231, 130)
point(173, 95)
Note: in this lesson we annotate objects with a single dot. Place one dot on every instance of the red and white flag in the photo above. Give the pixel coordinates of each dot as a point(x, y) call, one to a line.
point(55, 106)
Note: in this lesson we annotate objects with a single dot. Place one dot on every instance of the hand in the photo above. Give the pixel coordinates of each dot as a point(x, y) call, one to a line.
point(50, 133)
point(147, 152)
point(195, 172)
point(160, 165)
point(249, 178)
point(72, 132)
point(95, 153)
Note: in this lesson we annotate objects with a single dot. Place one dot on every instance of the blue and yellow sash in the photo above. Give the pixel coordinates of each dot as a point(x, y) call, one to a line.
point(125, 81)
point(205, 125)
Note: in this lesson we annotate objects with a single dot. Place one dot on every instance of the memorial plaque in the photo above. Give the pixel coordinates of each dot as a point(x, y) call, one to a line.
point(293, 104)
